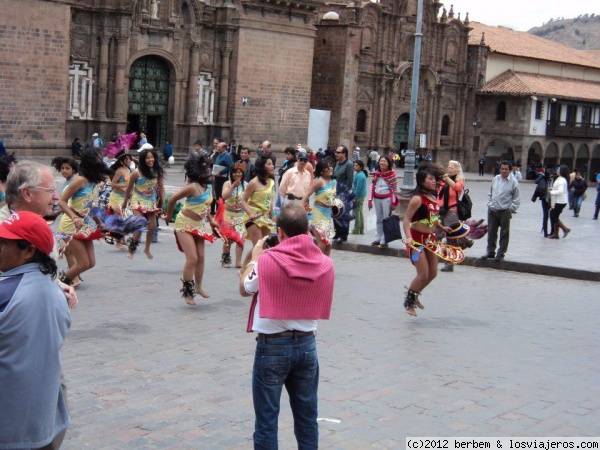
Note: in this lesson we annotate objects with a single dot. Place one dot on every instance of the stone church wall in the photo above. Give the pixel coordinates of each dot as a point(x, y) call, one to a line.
point(273, 71)
point(34, 61)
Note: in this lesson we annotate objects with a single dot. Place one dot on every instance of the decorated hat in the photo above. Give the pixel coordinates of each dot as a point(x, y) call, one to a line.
point(30, 227)
point(459, 230)
point(122, 152)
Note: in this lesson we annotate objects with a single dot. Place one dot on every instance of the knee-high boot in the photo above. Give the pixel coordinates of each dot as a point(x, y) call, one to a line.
point(564, 228)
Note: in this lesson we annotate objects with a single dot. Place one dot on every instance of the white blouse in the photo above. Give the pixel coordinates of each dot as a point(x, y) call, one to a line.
point(559, 191)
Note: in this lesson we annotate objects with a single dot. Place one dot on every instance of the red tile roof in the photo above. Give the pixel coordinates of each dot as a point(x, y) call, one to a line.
point(525, 84)
point(518, 43)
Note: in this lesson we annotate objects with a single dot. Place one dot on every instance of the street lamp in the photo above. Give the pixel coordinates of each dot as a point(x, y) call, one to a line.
point(409, 161)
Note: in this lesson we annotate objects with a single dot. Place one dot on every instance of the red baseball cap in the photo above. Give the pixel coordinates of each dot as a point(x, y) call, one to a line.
point(30, 227)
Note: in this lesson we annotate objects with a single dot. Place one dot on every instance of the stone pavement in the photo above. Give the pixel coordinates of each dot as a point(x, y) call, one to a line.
point(528, 251)
point(493, 354)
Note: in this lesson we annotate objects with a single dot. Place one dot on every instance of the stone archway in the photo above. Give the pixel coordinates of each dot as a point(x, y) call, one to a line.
point(551, 155)
point(401, 132)
point(567, 156)
point(594, 164)
point(149, 86)
point(582, 158)
point(534, 154)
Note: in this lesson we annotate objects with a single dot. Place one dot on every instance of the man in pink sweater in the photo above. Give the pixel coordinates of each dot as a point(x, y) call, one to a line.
point(292, 286)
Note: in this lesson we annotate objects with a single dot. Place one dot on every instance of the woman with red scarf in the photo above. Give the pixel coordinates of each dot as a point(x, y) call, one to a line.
point(383, 196)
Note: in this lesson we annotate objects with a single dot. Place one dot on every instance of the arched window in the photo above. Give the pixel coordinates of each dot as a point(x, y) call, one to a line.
point(445, 126)
point(501, 111)
point(361, 121)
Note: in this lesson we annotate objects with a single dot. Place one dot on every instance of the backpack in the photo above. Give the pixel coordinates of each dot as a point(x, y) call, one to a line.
point(464, 206)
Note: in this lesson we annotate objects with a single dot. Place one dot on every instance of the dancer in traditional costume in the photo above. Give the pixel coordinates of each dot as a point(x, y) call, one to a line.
point(324, 188)
point(147, 191)
point(421, 219)
point(235, 217)
point(119, 183)
point(67, 167)
point(77, 226)
point(258, 200)
point(193, 225)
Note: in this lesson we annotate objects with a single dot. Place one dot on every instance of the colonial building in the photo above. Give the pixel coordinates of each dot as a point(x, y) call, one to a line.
point(363, 71)
point(177, 69)
point(537, 101)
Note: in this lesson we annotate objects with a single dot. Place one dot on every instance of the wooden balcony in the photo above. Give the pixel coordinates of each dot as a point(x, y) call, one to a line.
point(573, 129)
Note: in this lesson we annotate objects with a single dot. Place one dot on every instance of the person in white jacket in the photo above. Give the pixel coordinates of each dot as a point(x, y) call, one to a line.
point(560, 197)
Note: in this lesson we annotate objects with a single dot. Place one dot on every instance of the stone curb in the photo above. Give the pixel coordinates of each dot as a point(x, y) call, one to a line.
point(512, 266)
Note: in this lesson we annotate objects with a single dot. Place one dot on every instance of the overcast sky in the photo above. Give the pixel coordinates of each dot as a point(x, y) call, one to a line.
point(521, 15)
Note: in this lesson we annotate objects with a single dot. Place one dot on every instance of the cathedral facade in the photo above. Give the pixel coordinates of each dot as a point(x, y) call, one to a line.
point(363, 74)
point(183, 70)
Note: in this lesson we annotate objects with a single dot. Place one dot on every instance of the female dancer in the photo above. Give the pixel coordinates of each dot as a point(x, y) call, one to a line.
point(7, 161)
point(143, 185)
point(68, 169)
point(76, 203)
point(359, 187)
point(233, 192)
point(258, 200)
point(420, 221)
point(324, 188)
point(560, 197)
point(193, 225)
point(383, 196)
point(452, 186)
point(119, 183)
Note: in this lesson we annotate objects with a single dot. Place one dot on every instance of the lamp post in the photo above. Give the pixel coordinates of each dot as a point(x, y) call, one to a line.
point(409, 160)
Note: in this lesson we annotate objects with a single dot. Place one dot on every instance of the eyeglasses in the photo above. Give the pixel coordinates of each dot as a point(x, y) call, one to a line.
point(47, 189)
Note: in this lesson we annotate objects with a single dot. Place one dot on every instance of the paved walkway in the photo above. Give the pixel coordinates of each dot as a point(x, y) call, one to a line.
point(573, 257)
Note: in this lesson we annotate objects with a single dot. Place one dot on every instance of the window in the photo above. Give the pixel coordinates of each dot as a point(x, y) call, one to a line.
point(539, 110)
point(361, 121)
point(206, 98)
point(445, 126)
point(501, 111)
point(80, 91)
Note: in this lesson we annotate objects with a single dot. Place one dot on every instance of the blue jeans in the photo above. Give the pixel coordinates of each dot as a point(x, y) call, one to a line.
point(293, 363)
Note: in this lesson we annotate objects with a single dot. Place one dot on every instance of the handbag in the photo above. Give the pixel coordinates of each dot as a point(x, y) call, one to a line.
point(464, 206)
point(391, 228)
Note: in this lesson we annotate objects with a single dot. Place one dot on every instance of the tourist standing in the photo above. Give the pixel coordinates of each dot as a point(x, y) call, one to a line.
point(343, 172)
point(220, 173)
point(504, 199)
point(578, 186)
point(292, 287)
point(383, 197)
point(451, 188)
point(296, 181)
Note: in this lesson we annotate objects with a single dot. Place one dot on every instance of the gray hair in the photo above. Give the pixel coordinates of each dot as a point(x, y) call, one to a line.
point(23, 174)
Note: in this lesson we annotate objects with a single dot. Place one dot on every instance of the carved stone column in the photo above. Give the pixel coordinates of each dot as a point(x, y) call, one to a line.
point(380, 112)
point(463, 115)
point(392, 99)
point(103, 77)
point(120, 88)
point(192, 97)
point(224, 84)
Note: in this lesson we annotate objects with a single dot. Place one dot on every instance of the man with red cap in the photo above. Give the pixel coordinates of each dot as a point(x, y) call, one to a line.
point(34, 320)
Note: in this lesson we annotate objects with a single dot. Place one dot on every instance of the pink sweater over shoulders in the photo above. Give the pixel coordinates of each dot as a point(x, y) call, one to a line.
point(295, 281)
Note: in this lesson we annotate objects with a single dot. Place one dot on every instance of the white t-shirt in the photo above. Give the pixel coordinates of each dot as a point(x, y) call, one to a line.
point(271, 326)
